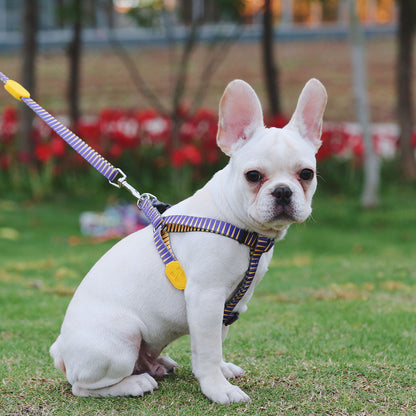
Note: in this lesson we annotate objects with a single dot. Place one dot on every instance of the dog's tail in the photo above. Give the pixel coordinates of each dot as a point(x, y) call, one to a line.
point(57, 359)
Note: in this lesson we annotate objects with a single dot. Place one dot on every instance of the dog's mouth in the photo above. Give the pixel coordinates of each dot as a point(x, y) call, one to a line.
point(284, 215)
point(277, 219)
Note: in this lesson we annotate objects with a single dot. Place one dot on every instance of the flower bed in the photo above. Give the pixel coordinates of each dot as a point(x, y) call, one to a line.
point(120, 134)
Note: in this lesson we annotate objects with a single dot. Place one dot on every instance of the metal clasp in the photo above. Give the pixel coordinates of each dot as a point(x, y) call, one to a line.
point(122, 183)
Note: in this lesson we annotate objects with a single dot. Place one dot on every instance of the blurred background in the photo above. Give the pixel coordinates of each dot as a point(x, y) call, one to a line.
point(332, 327)
point(140, 81)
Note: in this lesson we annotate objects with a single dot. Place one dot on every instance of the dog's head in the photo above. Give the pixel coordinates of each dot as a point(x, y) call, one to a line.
point(273, 171)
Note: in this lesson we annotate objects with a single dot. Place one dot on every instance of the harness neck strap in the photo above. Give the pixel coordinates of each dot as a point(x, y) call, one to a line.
point(162, 226)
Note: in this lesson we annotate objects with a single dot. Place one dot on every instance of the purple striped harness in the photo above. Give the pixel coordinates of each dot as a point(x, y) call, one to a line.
point(162, 226)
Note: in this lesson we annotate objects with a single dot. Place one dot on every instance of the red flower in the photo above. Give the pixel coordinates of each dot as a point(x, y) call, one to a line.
point(43, 152)
point(188, 154)
point(204, 114)
point(115, 151)
point(145, 115)
point(88, 130)
point(334, 142)
point(5, 162)
point(8, 124)
point(325, 150)
point(57, 146)
point(278, 120)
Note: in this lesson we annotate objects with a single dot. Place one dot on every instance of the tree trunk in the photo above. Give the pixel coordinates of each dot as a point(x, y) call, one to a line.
point(407, 18)
point(270, 69)
point(74, 54)
point(30, 28)
point(369, 198)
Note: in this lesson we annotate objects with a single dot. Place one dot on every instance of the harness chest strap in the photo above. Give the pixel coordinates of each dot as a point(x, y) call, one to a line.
point(182, 223)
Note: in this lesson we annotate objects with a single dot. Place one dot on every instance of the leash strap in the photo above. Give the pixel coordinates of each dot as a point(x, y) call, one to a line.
point(88, 153)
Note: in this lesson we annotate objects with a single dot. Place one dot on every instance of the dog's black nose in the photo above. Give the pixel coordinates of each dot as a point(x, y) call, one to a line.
point(282, 195)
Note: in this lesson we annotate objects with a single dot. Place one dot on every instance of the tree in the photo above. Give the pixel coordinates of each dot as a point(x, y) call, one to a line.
point(30, 28)
point(76, 14)
point(181, 59)
point(270, 69)
point(369, 198)
point(74, 55)
point(406, 26)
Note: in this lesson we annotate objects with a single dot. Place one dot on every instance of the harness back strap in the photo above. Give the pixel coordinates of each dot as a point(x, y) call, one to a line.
point(183, 223)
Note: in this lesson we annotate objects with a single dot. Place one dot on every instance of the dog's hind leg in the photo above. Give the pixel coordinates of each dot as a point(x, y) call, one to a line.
point(169, 365)
point(102, 366)
point(150, 362)
point(134, 385)
point(102, 374)
point(57, 359)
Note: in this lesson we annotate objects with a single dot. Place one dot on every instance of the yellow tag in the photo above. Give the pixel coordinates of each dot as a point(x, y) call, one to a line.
point(15, 89)
point(176, 275)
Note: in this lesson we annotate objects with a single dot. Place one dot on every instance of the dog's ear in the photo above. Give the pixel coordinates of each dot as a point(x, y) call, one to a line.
point(240, 114)
point(308, 116)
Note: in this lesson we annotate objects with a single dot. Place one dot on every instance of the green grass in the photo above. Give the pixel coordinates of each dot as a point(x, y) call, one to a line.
point(331, 329)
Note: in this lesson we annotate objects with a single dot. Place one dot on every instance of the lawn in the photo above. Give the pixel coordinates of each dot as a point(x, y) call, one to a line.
point(330, 330)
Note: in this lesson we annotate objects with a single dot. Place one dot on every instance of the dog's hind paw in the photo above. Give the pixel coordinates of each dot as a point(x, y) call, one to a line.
point(138, 385)
point(169, 365)
point(135, 385)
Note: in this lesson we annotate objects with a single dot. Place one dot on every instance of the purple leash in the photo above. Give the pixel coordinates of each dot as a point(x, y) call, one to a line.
point(87, 152)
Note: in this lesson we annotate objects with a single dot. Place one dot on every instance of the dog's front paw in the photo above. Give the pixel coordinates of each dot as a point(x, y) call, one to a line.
point(231, 370)
point(223, 393)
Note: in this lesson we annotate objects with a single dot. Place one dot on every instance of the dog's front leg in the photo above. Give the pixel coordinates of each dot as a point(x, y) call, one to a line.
point(229, 370)
point(205, 309)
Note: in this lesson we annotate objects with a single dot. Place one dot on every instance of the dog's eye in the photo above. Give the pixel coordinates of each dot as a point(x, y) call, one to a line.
point(254, 176)
point(306, 174)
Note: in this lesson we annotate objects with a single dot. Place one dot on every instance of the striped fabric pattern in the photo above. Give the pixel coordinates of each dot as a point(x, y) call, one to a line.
point(87, 152)
point(3, 78)
point(262, 245)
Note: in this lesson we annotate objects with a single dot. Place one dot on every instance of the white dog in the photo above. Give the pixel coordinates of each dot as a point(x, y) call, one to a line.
point(126, 311)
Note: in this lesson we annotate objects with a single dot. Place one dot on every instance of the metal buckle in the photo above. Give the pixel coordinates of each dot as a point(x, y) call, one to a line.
point(144, 196)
